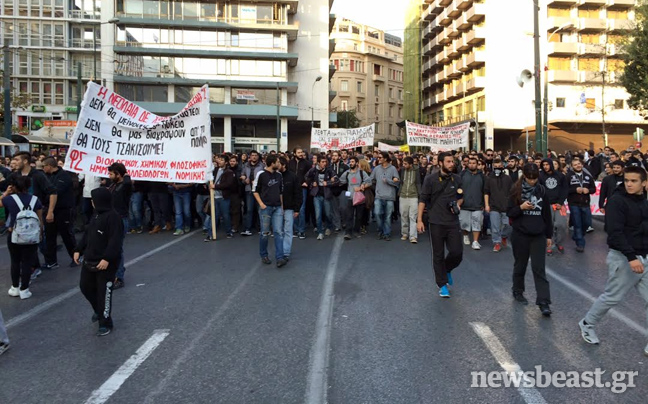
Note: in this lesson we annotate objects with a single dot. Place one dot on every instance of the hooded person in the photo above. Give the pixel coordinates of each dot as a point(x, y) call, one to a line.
point(556, 190)
point(101, 250)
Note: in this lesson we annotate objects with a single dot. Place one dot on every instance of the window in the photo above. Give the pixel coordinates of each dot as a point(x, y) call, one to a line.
point(590, 103)
point(377, 70)
point(400, 94)
point(391, 92)
point(390, 130)
point(590, 38)
point(589, 13)
point(481, 104)
point(400, 113)
point(617, 14)
point(344, 85)
point(560, 103)
point(377, 90)
point(359, 87)
point(559, 63)
point(376, 109)
point(355, 46)
point(615, 65)
point(589, 64)
point(618, 104)
point(344, 105)
point(359, 106)
point(391, 111)
point(558, 12)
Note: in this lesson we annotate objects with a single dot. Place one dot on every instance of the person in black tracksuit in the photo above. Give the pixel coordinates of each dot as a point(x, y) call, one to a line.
point(101, 250)
point(62, 223)
point(610, 184)
point(556, 188)
point(532, 231)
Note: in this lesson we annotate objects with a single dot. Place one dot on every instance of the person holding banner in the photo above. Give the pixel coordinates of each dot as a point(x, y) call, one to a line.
point(386, 178)
point(121, 190)
point(224, 185)
point(267, 189)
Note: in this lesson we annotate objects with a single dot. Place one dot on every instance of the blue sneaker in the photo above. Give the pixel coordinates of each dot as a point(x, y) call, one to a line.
point(443, 292)
point(450, 281)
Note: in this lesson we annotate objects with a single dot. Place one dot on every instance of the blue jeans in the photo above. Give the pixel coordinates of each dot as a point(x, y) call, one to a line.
point(221, 207)
point(301, 220)
point(200, 200)
point(383, 210)
point(271, 217)
point(182, 203)
point(122, 269)
point(252, 207)
point(322, 203)
point(288, 220)
point(135, 212)
point(582, 219)
point(499, 225)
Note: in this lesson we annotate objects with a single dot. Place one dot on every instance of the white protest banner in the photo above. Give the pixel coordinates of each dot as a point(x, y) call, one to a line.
point(438, 138)
point(337, 139)
point(385, 147)
point(153, 148)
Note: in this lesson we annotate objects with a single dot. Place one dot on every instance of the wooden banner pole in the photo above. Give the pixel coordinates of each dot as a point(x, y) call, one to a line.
point(212, 209)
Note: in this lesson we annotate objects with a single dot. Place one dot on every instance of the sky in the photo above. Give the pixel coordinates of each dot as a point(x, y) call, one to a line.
point(386, 15)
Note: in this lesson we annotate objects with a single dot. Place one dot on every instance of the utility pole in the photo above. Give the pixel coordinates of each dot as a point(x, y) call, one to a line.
point(94, 41)
point(79, 87)
point(278, 120)
point(538, 95)
point(7, 92)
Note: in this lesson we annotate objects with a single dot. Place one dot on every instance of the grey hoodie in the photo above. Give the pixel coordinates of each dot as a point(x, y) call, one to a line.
point(385, 190)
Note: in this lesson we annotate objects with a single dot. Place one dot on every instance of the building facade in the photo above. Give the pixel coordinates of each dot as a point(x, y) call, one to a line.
point(368, 76)
point(474, 54)
point(260, 59)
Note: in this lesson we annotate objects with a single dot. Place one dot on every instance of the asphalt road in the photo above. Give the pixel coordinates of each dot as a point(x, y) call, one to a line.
point(354, 321)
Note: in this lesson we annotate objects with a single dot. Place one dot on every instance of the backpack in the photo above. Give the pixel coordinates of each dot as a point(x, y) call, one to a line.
point(27, 229)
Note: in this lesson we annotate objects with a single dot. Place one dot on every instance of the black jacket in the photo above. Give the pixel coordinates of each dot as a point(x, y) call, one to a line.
point(300, 167)
point(473, 190)
point(121, 196)
point(498, 190)
point(440, 191)
point(41, 187)
point(532, 222)
point(292, 191)
point(104, 235)
point(313, 176)
point(585, 180)
point(62, 180)
point(626, 223)
point(555, 184)
point(609, 186)
point(228, 182)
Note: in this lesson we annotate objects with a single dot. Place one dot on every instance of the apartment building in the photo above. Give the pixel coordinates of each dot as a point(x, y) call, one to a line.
point(473, 51)
point(369, 76)
point(261, 60)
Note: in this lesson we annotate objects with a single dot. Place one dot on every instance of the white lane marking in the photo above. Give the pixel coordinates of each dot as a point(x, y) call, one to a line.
point(529, 394)
point(184, 356)
point(114, 382)
point(614, 312)
point(317, 382)
point(21, 318)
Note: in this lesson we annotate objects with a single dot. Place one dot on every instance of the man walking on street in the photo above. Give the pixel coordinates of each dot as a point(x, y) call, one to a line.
point(441, 193)
point(610, 184)
point(292, 194)
point(496, 195)
point(625, 221)
point(224, 185)
point(250, 171)
point(581, 186)
point(121, 190)
point(556, 189)
point(338, 202)
point(408, 202)
point(320, 178)
point(357, 181)
point(267, 189)
point(62, 223)
point(386, 178)
point(472, 215)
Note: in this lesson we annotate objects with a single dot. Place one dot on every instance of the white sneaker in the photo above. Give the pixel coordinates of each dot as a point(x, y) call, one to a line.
point(588, 334)
point(14, 292)
point(646, 350)
point(476, 245)
point(327, 233)
point(25, 294)
point(320, 236)
point(466, 240)
point(589, 229)
point(413, 240)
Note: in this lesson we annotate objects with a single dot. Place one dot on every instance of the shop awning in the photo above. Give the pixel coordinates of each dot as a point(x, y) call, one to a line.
point(53, 141)
point(6, 142)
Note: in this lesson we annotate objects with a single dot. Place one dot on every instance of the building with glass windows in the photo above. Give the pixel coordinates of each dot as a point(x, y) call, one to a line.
point(261, 60)
point(474, 51)
point(368, 76)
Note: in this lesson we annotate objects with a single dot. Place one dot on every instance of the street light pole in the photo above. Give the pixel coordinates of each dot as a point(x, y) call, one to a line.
point(313, 101)
point(94, 41)
point(7, 91)
point(536, 74)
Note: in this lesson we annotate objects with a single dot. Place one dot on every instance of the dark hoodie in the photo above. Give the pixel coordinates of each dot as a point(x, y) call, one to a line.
point(609, 186)
point(532, 222)
point(626, 223)
point(555, 184)
point(102, 239)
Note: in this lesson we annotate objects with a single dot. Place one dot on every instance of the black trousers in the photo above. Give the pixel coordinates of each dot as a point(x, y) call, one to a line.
point(235, 210)
point(23, 258)
point(97, 289)
point(442, 237)
point(62, 225)
point(160, 204)
point(525, 246)
point(353, 217)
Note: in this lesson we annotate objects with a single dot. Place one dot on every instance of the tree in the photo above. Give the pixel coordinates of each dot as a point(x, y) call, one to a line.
point(347, 119)
point(18, 101)
point(635, 74)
